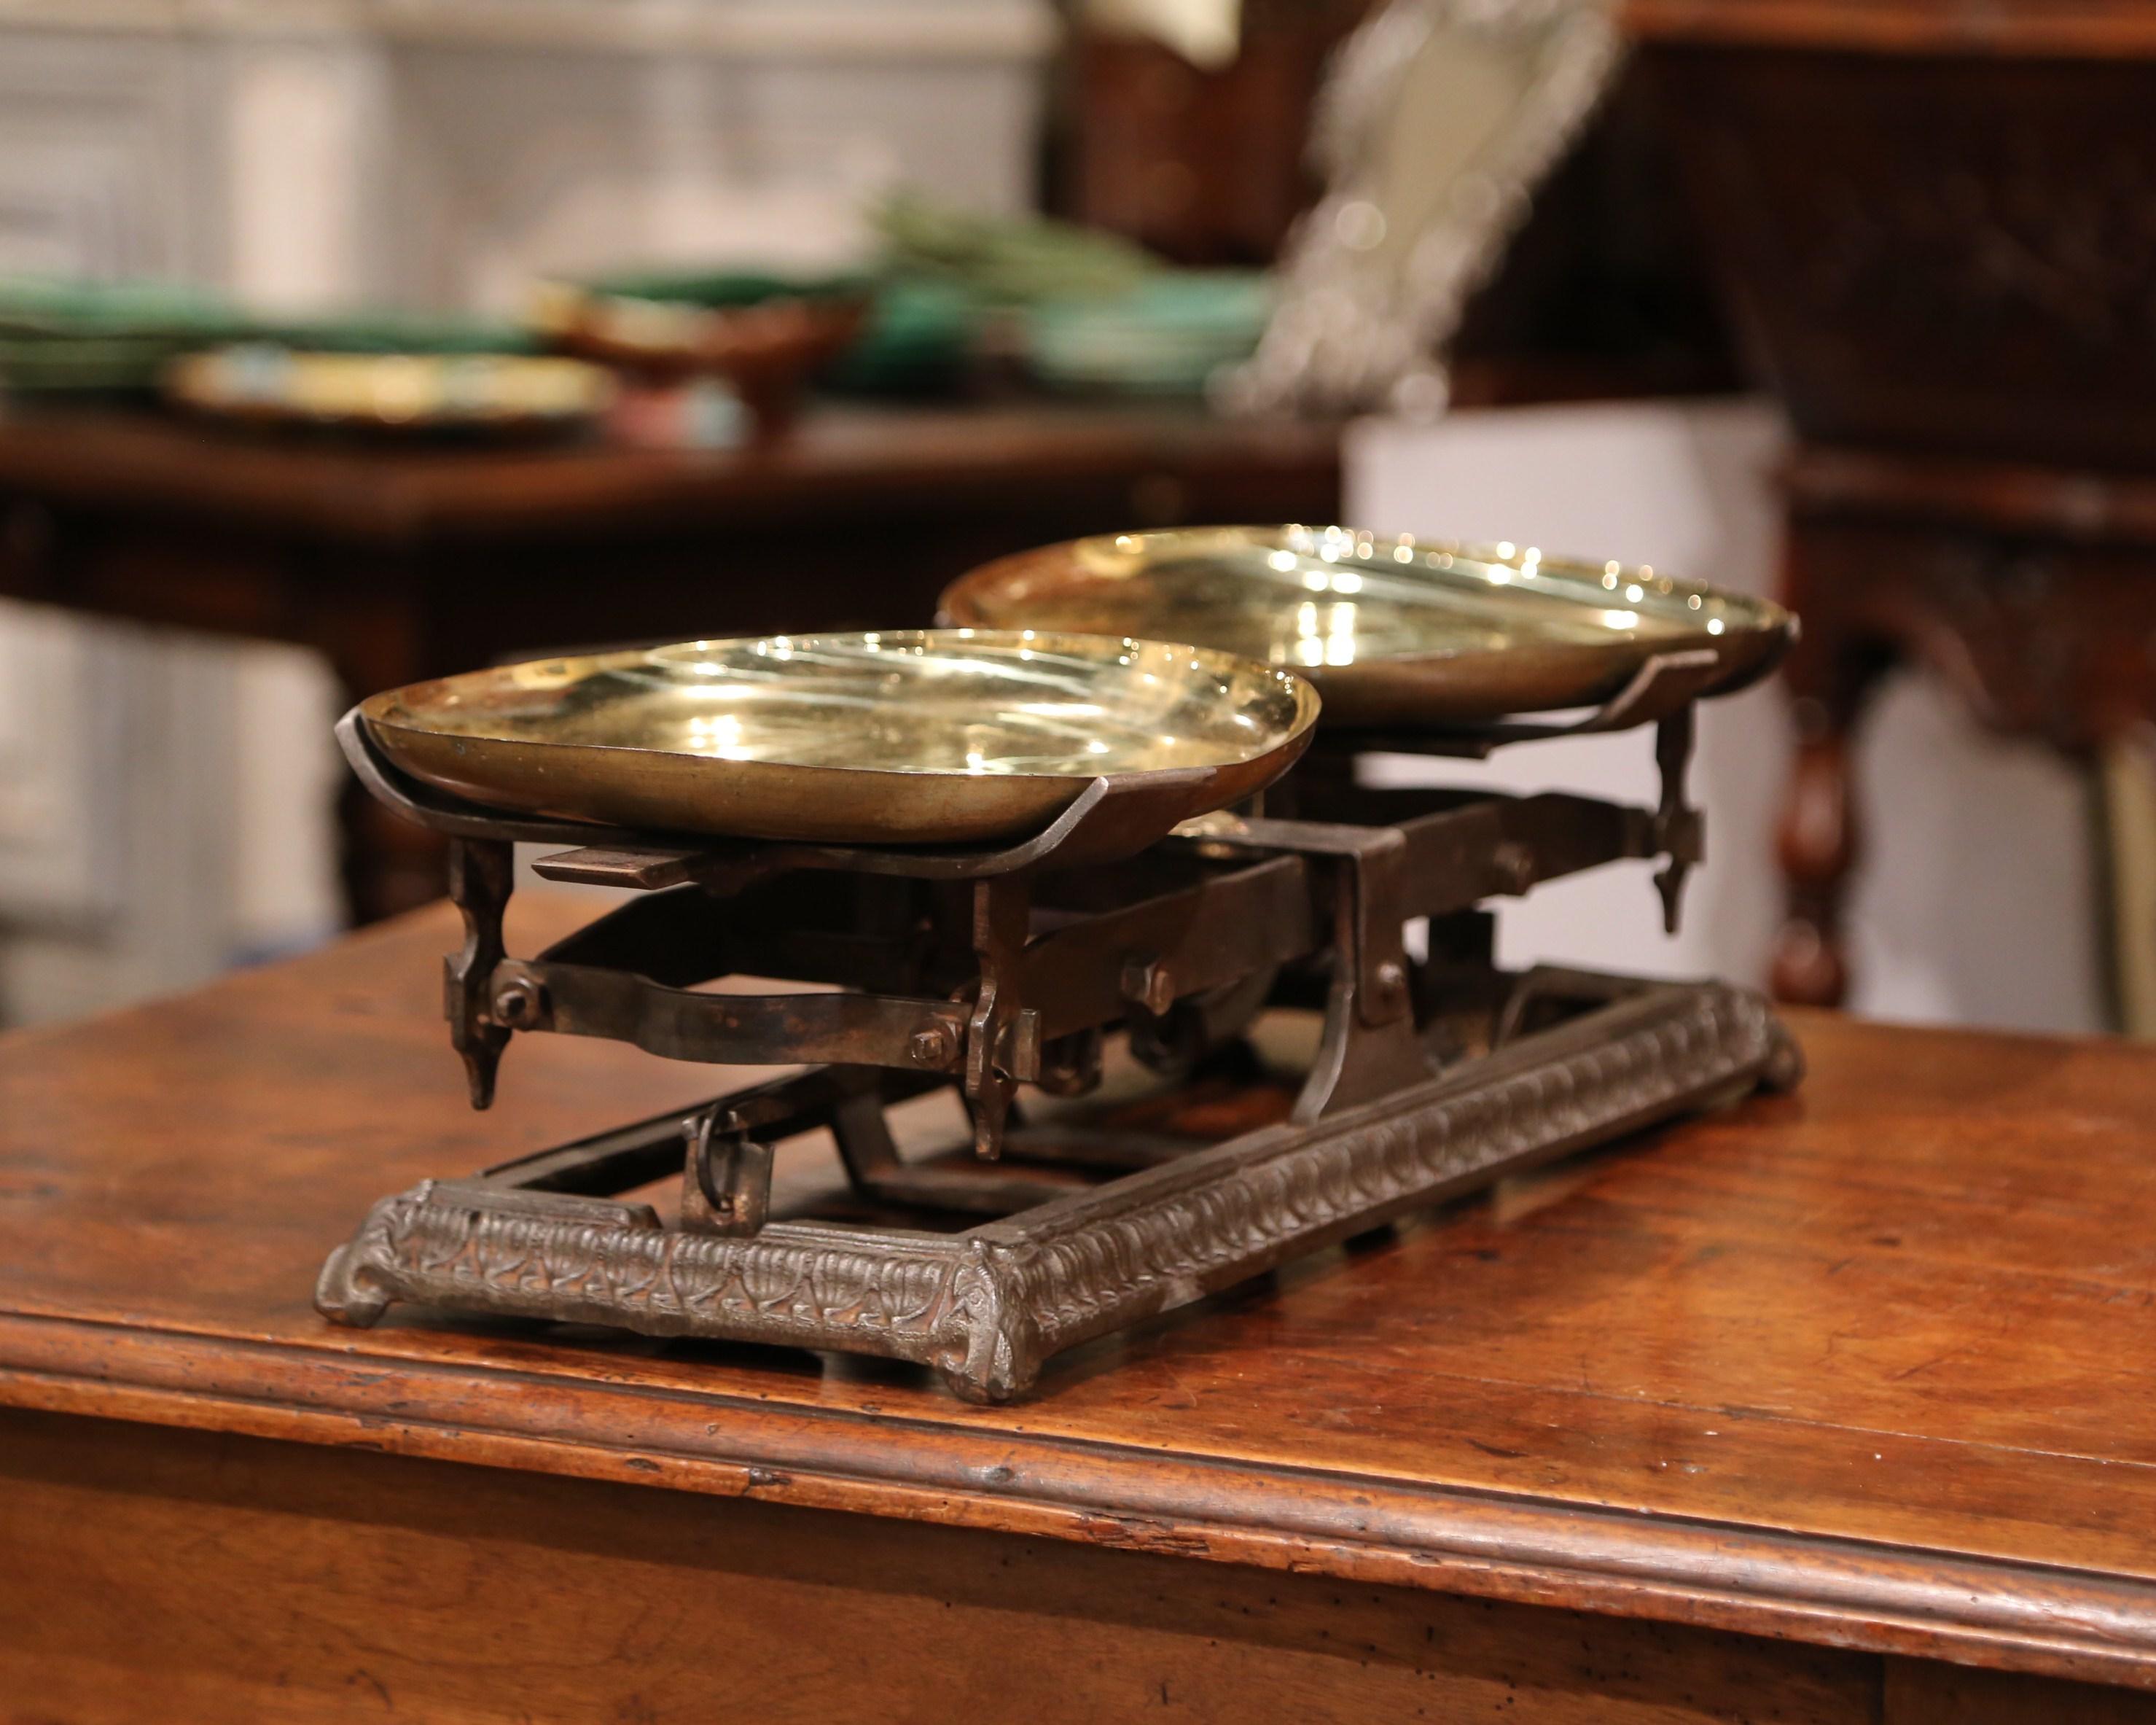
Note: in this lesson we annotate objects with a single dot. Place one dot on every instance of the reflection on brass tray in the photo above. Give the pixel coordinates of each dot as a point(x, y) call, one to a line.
point(891, 737)
point(1395, 631)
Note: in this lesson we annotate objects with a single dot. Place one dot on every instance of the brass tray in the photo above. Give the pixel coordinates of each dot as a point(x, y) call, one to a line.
point(900, 737)
point(1394, 631)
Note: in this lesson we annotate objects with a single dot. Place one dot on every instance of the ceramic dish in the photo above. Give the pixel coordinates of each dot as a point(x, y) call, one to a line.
point(493, 393)
point(59, 337)
point(766, 334)
point(1167, 337)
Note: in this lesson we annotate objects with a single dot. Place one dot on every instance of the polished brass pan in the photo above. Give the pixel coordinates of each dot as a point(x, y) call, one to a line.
point(909, 736)
point(1394, 631)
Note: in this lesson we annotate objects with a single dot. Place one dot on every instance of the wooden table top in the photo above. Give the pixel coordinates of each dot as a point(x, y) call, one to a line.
point(836, 460)
point(1870, 1365)
point(2094, 29)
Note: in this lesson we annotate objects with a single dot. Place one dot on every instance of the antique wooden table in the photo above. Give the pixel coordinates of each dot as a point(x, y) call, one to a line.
point(399, 562)
point(1831, 1408)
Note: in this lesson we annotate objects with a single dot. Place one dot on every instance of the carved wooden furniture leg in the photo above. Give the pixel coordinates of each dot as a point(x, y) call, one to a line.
point(2126, 775)
point(1831, 674)
point(1817, 847)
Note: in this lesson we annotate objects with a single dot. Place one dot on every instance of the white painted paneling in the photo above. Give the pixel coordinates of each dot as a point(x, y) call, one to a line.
point(282, 889)
point(165, 808)
point(512, 163)
point(883, 29)
point(61, 766)
point(1974, 903)
point(98, 145)
point(306, 152)
point(136, 899)
point(306, 136)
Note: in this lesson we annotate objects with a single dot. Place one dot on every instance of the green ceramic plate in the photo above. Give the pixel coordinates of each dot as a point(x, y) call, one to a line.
point(1167, 335)
point(60, 336)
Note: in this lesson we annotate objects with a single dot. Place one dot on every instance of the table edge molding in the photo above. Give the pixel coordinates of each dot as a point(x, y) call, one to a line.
point(1826, 1590)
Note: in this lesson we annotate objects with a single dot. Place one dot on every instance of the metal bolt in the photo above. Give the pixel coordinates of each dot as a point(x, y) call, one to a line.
point(1515, 865)
point(519, 1002)
point(933, 1048)
point(1148, 983)
point(1391, 978)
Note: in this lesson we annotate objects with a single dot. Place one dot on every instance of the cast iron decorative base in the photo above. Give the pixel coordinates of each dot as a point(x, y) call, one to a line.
point(986, 1307)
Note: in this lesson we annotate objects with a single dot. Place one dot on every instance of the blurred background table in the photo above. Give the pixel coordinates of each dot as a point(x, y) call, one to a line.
point(398, 563)
point(1930, 221)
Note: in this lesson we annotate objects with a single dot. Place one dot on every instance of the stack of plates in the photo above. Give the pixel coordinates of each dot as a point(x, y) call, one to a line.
point(679, 323)
point(491, 395)
point(396, 332)
point(1167, 335)
point(919, 340)
point(60, 336)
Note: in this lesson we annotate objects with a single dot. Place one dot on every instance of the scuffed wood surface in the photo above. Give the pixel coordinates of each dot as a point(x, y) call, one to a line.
point(1868, 1366)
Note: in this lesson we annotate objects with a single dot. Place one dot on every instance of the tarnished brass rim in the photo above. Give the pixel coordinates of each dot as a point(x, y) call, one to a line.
point(515, 737)
point(1547, 664)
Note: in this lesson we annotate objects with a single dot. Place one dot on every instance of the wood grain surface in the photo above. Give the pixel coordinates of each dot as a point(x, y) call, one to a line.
point(1868, 1366)
point(2093, 29)
point(237, 1579)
